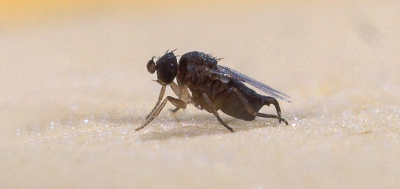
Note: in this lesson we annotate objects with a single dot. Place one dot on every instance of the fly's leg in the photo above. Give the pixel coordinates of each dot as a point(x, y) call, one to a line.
point(162, 92)
point(268, 101)
point(177, 91)
point(154, 113)
point(175, 110)
point(175, 88)
point(182, 93)
point(271, 100)
point(212, 108)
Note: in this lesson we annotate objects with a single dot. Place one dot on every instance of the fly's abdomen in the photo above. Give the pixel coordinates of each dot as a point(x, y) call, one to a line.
point(233, 106)
point(236, 110)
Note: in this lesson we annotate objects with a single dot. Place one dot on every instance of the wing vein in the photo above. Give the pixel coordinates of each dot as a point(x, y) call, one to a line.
point(231, 73)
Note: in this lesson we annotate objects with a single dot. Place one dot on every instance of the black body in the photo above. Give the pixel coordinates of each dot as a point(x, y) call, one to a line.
point(212, 88)
point(194, 72)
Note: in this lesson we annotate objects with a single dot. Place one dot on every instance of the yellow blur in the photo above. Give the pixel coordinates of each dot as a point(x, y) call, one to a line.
point(19, 12)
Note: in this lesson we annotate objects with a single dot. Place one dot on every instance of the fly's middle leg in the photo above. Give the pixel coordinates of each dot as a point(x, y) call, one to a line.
point(214, 111)
point(267, 101)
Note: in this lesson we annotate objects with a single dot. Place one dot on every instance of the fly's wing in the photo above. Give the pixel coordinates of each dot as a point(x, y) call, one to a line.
point(231, 73)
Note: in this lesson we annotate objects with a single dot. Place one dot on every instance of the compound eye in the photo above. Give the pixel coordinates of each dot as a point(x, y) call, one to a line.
point(151, 66)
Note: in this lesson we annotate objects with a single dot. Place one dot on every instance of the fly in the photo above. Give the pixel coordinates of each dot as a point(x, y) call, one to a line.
point(212, 87)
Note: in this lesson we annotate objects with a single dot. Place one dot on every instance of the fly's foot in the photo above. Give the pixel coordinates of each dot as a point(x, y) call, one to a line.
point(284, 120)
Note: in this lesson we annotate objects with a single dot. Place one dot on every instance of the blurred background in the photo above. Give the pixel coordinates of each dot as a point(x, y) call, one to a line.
point(73, 86)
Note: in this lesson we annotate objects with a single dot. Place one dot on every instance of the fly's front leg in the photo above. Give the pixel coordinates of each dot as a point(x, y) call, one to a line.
point(175, 88)
point(268, 101)
point(176, 102)
point(212, 108)
point(182, 92)
point(177, 91)
point(162, 92)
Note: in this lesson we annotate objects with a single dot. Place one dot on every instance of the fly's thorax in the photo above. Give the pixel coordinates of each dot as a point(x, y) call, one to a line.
point(199, 59)
point(197, 78)
point(194, 68)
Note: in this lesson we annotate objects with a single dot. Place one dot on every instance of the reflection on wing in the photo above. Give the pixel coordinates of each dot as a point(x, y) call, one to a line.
point(228, 72)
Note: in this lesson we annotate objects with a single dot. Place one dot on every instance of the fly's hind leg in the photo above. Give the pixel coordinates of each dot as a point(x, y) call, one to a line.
point(271, 100)
point(267, 101)
point(212, 108)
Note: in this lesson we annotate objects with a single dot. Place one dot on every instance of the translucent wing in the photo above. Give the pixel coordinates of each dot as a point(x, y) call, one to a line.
point(231, 73)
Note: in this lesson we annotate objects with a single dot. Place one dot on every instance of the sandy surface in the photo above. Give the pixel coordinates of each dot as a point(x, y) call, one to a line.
point(74, 87)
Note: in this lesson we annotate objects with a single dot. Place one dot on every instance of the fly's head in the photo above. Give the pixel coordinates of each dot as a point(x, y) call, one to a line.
point(166, 67)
